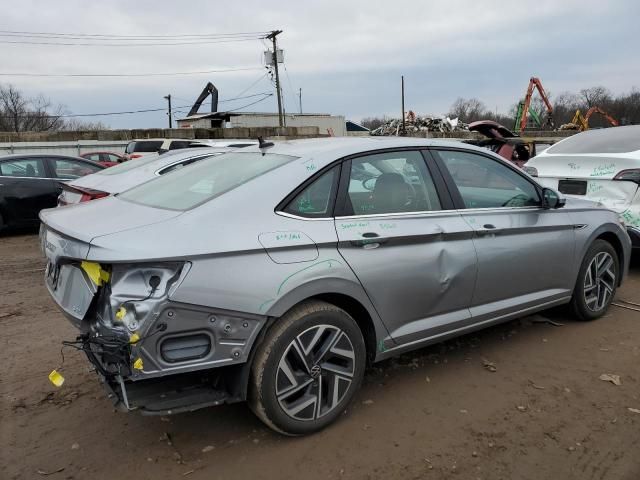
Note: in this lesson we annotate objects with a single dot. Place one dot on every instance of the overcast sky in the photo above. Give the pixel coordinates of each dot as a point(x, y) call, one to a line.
point(347, 56)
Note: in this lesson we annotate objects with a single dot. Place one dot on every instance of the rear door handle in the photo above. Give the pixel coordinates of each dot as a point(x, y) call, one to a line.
point(370, 240)
point(487, 228)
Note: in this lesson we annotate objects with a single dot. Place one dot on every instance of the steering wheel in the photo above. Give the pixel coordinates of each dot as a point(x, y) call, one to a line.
point(517, 201)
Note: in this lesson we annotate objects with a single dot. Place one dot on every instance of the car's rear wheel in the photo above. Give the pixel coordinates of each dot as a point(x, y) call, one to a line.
point(307, 369)
point(597, 281)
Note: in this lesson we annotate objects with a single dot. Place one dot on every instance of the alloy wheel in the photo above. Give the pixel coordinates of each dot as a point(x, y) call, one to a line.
point(599, 282)
point(315, 372)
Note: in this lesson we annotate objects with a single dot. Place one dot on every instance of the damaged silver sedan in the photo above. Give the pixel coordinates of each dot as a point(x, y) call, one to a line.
point(276, 274)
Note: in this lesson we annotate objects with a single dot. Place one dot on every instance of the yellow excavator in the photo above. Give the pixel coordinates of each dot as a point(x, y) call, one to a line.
point(581, 122)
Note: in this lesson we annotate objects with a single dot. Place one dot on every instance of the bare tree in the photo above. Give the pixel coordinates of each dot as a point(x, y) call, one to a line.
point(469, 110)
point(19, 113)
point(595, 97)
point(72, 124)
point(373, 122)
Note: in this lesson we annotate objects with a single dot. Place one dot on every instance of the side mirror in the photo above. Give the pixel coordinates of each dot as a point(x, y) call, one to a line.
point(550, 199)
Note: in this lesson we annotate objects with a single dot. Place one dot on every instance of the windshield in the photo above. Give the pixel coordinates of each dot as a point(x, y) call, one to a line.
point(603, 140)
point(189, 187)
point(146, 146)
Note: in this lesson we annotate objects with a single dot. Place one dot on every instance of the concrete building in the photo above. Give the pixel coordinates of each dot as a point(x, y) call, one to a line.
point(328, 124)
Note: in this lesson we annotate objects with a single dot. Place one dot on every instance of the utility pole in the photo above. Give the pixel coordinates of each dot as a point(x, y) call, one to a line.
point(168, 99)
point(403, 126)
point(272, 36)
point(300, 99)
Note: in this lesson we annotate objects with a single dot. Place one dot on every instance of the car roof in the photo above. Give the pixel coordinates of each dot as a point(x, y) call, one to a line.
point(43, 155)
point(344, 146)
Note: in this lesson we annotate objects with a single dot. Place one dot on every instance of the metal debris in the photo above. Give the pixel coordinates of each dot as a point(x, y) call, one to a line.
point(415, 123)
point(489, 365)
point(610, 377)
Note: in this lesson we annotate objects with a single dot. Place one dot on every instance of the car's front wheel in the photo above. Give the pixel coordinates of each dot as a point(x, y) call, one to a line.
point(597, 281)
point(307, 369)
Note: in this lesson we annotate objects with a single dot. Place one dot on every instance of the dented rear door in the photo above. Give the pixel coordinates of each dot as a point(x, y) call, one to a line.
point(418, 268)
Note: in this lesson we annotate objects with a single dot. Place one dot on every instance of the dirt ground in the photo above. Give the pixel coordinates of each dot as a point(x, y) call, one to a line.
point(437, 413)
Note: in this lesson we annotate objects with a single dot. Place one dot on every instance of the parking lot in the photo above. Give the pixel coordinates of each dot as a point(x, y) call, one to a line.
point(519, 401)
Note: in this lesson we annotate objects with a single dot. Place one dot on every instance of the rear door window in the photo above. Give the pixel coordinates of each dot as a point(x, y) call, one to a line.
point(392, 182)
point(23, 167)
point(71, 169)
point(487, 183)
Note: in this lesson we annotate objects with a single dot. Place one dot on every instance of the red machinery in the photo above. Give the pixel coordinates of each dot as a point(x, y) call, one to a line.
point(523, 109)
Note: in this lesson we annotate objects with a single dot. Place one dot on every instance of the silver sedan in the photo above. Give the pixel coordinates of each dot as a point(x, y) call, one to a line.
point(276, 274)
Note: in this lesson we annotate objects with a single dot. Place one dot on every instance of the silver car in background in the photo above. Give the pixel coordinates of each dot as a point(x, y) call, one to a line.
point(276, 274)
point(126, 175)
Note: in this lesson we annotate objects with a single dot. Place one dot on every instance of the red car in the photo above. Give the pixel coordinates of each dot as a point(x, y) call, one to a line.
point(107, 159)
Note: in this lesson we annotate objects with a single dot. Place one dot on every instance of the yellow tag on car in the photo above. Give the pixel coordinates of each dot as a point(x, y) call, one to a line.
point(138, 365)
point(97, 275)
point(56, 378)
point(134, 338)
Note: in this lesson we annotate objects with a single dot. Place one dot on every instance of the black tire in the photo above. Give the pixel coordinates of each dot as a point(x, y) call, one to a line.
point(279, 355)
point(602, 292)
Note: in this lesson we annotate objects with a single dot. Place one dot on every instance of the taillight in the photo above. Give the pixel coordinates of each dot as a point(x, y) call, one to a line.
point(531, 171)
point(134, 155)
point(631, 175)
point(72, 194)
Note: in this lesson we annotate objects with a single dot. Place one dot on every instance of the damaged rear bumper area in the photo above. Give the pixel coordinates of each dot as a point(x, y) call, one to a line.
point(154, 355)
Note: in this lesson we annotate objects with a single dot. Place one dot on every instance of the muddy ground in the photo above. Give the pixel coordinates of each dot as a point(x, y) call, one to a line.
point(438, 413)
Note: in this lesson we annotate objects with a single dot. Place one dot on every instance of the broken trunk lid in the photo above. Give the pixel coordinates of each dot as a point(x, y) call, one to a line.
point(491, 129)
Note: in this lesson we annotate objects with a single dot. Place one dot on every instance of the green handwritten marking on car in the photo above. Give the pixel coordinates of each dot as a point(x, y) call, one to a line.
point(311, 167)
point(348, 226)
point(288, 236)
point(603, 170)
point(574, 166)
point(381, 347)
point(630, 218)
point(328, 263)
point(593, 187)
point(388, 226)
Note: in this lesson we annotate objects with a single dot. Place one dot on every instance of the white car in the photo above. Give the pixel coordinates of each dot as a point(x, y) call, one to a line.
point(129, 174)
point(601, 165)
point(144, 147)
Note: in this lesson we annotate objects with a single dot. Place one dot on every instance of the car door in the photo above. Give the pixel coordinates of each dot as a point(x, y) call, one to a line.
point(25, 190)
point(522, 248)
point(410, 249)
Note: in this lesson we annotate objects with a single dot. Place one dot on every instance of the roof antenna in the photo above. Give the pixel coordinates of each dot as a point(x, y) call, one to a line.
point(262, 144)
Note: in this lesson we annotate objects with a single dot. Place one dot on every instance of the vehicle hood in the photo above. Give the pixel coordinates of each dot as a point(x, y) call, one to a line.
point(593, 166)
point(89, 220)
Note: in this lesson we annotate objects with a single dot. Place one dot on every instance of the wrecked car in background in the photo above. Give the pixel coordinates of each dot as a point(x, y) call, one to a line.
point(503, 141)
point(602, 165)
point(276, 274)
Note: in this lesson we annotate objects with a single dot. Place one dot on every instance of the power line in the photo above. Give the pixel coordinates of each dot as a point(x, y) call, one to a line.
point(128, 112)
point(252, 103)
point(162, 74)
point(116, 36)
point(252, 85)
point(207, 42)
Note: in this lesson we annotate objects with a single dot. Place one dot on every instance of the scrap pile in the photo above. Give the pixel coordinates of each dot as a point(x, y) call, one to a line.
point(415, 123)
